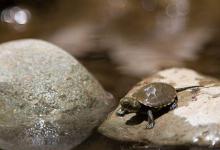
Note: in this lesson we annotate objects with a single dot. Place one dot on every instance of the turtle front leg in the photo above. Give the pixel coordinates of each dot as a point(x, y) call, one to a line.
point(121, 112)
point(150, 119)
point(174, 105)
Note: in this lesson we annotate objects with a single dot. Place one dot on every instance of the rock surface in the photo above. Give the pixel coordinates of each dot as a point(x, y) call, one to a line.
point(47, 99)
point(196, 121)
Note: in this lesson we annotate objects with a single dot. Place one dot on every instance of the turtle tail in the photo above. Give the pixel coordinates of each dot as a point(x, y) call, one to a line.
point(185, 88)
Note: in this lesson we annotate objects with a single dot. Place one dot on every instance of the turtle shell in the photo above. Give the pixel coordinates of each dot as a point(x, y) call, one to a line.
point(156, 94)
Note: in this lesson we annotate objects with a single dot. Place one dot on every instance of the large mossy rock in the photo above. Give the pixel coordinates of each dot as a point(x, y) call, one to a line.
point(48, 100)
point(196, 120)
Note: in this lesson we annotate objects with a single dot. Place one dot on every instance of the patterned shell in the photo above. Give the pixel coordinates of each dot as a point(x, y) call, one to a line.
point(155, 94)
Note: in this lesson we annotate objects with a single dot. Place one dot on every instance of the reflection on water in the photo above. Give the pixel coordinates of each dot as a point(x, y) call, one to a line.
point(101, 66)
point(208, 59)
point(16, 17)
point(121, 41)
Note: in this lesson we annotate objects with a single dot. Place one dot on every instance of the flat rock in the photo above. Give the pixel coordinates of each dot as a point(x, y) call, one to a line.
point(48, 100)
point(196, 120)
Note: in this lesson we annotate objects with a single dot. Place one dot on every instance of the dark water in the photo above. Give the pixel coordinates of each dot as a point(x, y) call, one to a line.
point(44, 18)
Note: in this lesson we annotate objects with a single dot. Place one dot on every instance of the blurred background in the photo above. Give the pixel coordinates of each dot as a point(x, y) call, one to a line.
point(121, 41)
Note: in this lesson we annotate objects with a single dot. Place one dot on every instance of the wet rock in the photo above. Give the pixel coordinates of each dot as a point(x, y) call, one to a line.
point(48, 100)
point(196, 121)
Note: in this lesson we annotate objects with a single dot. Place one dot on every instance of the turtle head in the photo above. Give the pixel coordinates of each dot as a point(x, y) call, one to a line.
point(128, 105)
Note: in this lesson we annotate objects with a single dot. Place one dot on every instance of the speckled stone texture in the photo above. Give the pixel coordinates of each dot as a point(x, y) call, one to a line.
point(48, 100)
point(196, 121)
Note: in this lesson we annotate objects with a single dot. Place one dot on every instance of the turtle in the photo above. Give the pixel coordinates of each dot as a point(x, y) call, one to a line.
point(150, 98)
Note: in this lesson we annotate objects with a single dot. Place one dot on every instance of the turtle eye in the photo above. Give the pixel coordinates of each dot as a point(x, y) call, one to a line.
point(124, 101)
point(126, 105)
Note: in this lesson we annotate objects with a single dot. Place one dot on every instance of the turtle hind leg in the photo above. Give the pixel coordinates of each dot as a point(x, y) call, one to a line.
point(174, 104)
point(150, 119)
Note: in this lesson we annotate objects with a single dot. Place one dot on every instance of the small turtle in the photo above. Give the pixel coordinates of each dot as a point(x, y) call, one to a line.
point(150, 98)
